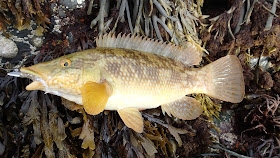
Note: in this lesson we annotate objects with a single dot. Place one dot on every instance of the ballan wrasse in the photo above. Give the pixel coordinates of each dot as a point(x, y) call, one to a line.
point(130, 73)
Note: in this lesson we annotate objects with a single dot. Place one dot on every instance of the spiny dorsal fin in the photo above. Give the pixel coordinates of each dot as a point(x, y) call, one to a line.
point(189, 54)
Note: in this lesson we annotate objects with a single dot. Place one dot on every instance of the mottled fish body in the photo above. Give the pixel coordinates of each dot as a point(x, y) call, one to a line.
point(142, 80)
point(130, 73)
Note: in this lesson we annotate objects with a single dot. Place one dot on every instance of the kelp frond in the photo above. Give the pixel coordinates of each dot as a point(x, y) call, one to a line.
point(20, 12)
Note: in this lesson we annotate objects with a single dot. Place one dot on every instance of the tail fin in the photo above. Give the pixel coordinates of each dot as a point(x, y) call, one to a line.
point(225, 79)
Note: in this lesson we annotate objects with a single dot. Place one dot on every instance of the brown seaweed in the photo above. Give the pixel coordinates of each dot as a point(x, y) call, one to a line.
point(22, 12)
point(33, 124)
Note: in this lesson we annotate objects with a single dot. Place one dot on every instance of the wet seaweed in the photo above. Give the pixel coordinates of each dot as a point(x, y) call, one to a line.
point(33, 124)
point(240, 29)
point(263, 123)
point(175, 21)
point(19, 13)
point(210, 109)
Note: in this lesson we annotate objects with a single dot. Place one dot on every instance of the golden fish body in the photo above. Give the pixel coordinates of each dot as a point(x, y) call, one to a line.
point(142, 80)
point(128, 80)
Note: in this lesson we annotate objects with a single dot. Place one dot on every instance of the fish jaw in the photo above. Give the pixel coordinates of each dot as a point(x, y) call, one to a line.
point(39, 83)
point(35, 85)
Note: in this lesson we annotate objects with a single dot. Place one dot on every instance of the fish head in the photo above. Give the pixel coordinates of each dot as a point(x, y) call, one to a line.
point(61, 75)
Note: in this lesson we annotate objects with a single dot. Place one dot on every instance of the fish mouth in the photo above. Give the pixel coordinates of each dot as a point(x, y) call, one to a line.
point(28, 72)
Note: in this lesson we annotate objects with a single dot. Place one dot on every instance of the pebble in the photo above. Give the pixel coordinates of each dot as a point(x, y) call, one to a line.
point(73, 4)
point(8, 48)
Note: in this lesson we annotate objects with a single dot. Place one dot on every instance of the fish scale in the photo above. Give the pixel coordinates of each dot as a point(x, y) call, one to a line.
point(131, 73)
point(142, 84)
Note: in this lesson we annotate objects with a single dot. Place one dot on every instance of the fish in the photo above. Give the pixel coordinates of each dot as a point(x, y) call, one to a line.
point(130, 73)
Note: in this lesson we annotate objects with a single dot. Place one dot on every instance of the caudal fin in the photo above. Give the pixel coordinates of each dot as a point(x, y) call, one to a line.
point(225, 79)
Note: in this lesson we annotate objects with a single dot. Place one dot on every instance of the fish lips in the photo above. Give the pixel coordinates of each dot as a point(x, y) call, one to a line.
point(37, 77)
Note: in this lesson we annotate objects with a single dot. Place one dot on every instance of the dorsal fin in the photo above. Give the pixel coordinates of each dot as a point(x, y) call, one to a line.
point(189, 54)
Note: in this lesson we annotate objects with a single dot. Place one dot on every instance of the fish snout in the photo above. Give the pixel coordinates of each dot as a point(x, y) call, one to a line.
point(36, 74)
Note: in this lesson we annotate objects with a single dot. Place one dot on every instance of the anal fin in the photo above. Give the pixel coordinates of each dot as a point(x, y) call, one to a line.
point(132, 118)
point(186, 108)
point(95, 96)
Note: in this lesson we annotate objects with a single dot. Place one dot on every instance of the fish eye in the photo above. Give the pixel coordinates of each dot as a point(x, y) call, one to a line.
point(65, 63)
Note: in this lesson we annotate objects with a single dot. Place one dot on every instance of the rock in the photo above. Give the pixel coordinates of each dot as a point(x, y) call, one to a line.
point(73, 4)
point(61, 12)
point(8, 48)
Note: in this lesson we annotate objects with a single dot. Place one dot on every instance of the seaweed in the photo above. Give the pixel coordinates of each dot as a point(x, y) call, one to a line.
point(19, 14)
point(178, 20)
point(210, 108)
point(242, 28)
point(263, 123)
point(34, 124)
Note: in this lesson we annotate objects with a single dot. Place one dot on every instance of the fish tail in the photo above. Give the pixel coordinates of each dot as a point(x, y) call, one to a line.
point(224, 79)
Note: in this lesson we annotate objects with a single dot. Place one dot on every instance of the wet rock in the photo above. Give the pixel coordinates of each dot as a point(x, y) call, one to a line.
point(229, 139)
point(37, 41)
point(8, 48)
point(73, 4)
point(61, 12)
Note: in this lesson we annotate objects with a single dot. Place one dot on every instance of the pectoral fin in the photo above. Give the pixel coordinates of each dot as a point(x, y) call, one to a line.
point(132, 118)
point(186, 108)
point(95, 96)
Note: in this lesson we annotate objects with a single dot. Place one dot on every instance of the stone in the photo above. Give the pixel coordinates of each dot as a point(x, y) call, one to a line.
point(8, 48)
